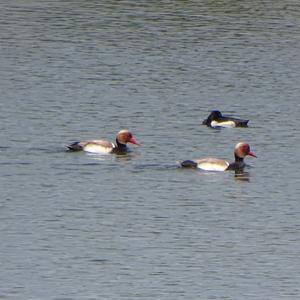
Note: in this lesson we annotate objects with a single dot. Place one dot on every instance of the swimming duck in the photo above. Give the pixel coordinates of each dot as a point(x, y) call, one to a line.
point(123, 137)
point(216, 119)
point(241, 150)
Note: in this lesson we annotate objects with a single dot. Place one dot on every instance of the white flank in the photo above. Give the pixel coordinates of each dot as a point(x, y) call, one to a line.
point(97, 149)
point(208, 166)
point(227, 124)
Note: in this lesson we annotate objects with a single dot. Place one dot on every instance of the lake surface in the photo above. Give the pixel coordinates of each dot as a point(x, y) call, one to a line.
point(76, 226)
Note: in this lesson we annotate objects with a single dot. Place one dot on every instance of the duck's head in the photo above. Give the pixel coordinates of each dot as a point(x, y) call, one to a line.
point(124, 136)
point(242, 149)
point(215, 114)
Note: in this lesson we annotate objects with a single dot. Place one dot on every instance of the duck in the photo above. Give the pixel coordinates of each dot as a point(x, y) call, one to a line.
point(217, 120)
point(123, 137)
point(241, 150)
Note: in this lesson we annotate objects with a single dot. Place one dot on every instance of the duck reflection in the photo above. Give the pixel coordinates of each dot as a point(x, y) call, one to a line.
point(124, 157)
point(241, 175)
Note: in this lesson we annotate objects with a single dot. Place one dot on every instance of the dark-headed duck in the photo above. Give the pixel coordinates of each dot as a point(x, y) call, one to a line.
point(241, 150)
point(216, 119)
point(123, 137)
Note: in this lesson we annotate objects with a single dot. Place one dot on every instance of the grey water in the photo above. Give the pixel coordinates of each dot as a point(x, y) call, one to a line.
point(78, 226)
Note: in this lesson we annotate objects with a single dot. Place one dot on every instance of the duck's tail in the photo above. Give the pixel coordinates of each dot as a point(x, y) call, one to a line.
point(188, 164)
point(75, 146)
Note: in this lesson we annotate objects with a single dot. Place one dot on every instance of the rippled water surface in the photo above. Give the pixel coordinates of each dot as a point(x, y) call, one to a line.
point(76, 226)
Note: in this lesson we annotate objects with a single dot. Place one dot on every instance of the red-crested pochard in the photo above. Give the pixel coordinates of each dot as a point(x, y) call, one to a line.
point(241, 150)
point(123, 137)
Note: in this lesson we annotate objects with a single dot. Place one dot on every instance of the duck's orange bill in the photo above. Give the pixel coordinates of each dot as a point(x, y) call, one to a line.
point(251, 153)
point(134, 141)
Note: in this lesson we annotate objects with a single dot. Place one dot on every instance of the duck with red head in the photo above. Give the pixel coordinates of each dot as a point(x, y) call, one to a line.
point(241, 150)
point(123, 137)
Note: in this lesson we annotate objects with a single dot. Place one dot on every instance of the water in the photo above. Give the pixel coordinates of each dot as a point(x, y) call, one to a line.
point(74, 226)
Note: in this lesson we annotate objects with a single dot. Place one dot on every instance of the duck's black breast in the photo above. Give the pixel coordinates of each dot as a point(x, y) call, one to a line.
point(238, 164)
point(120, 148)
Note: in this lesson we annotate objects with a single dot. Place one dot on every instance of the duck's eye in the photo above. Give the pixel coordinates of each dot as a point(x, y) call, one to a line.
point(246, 149)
